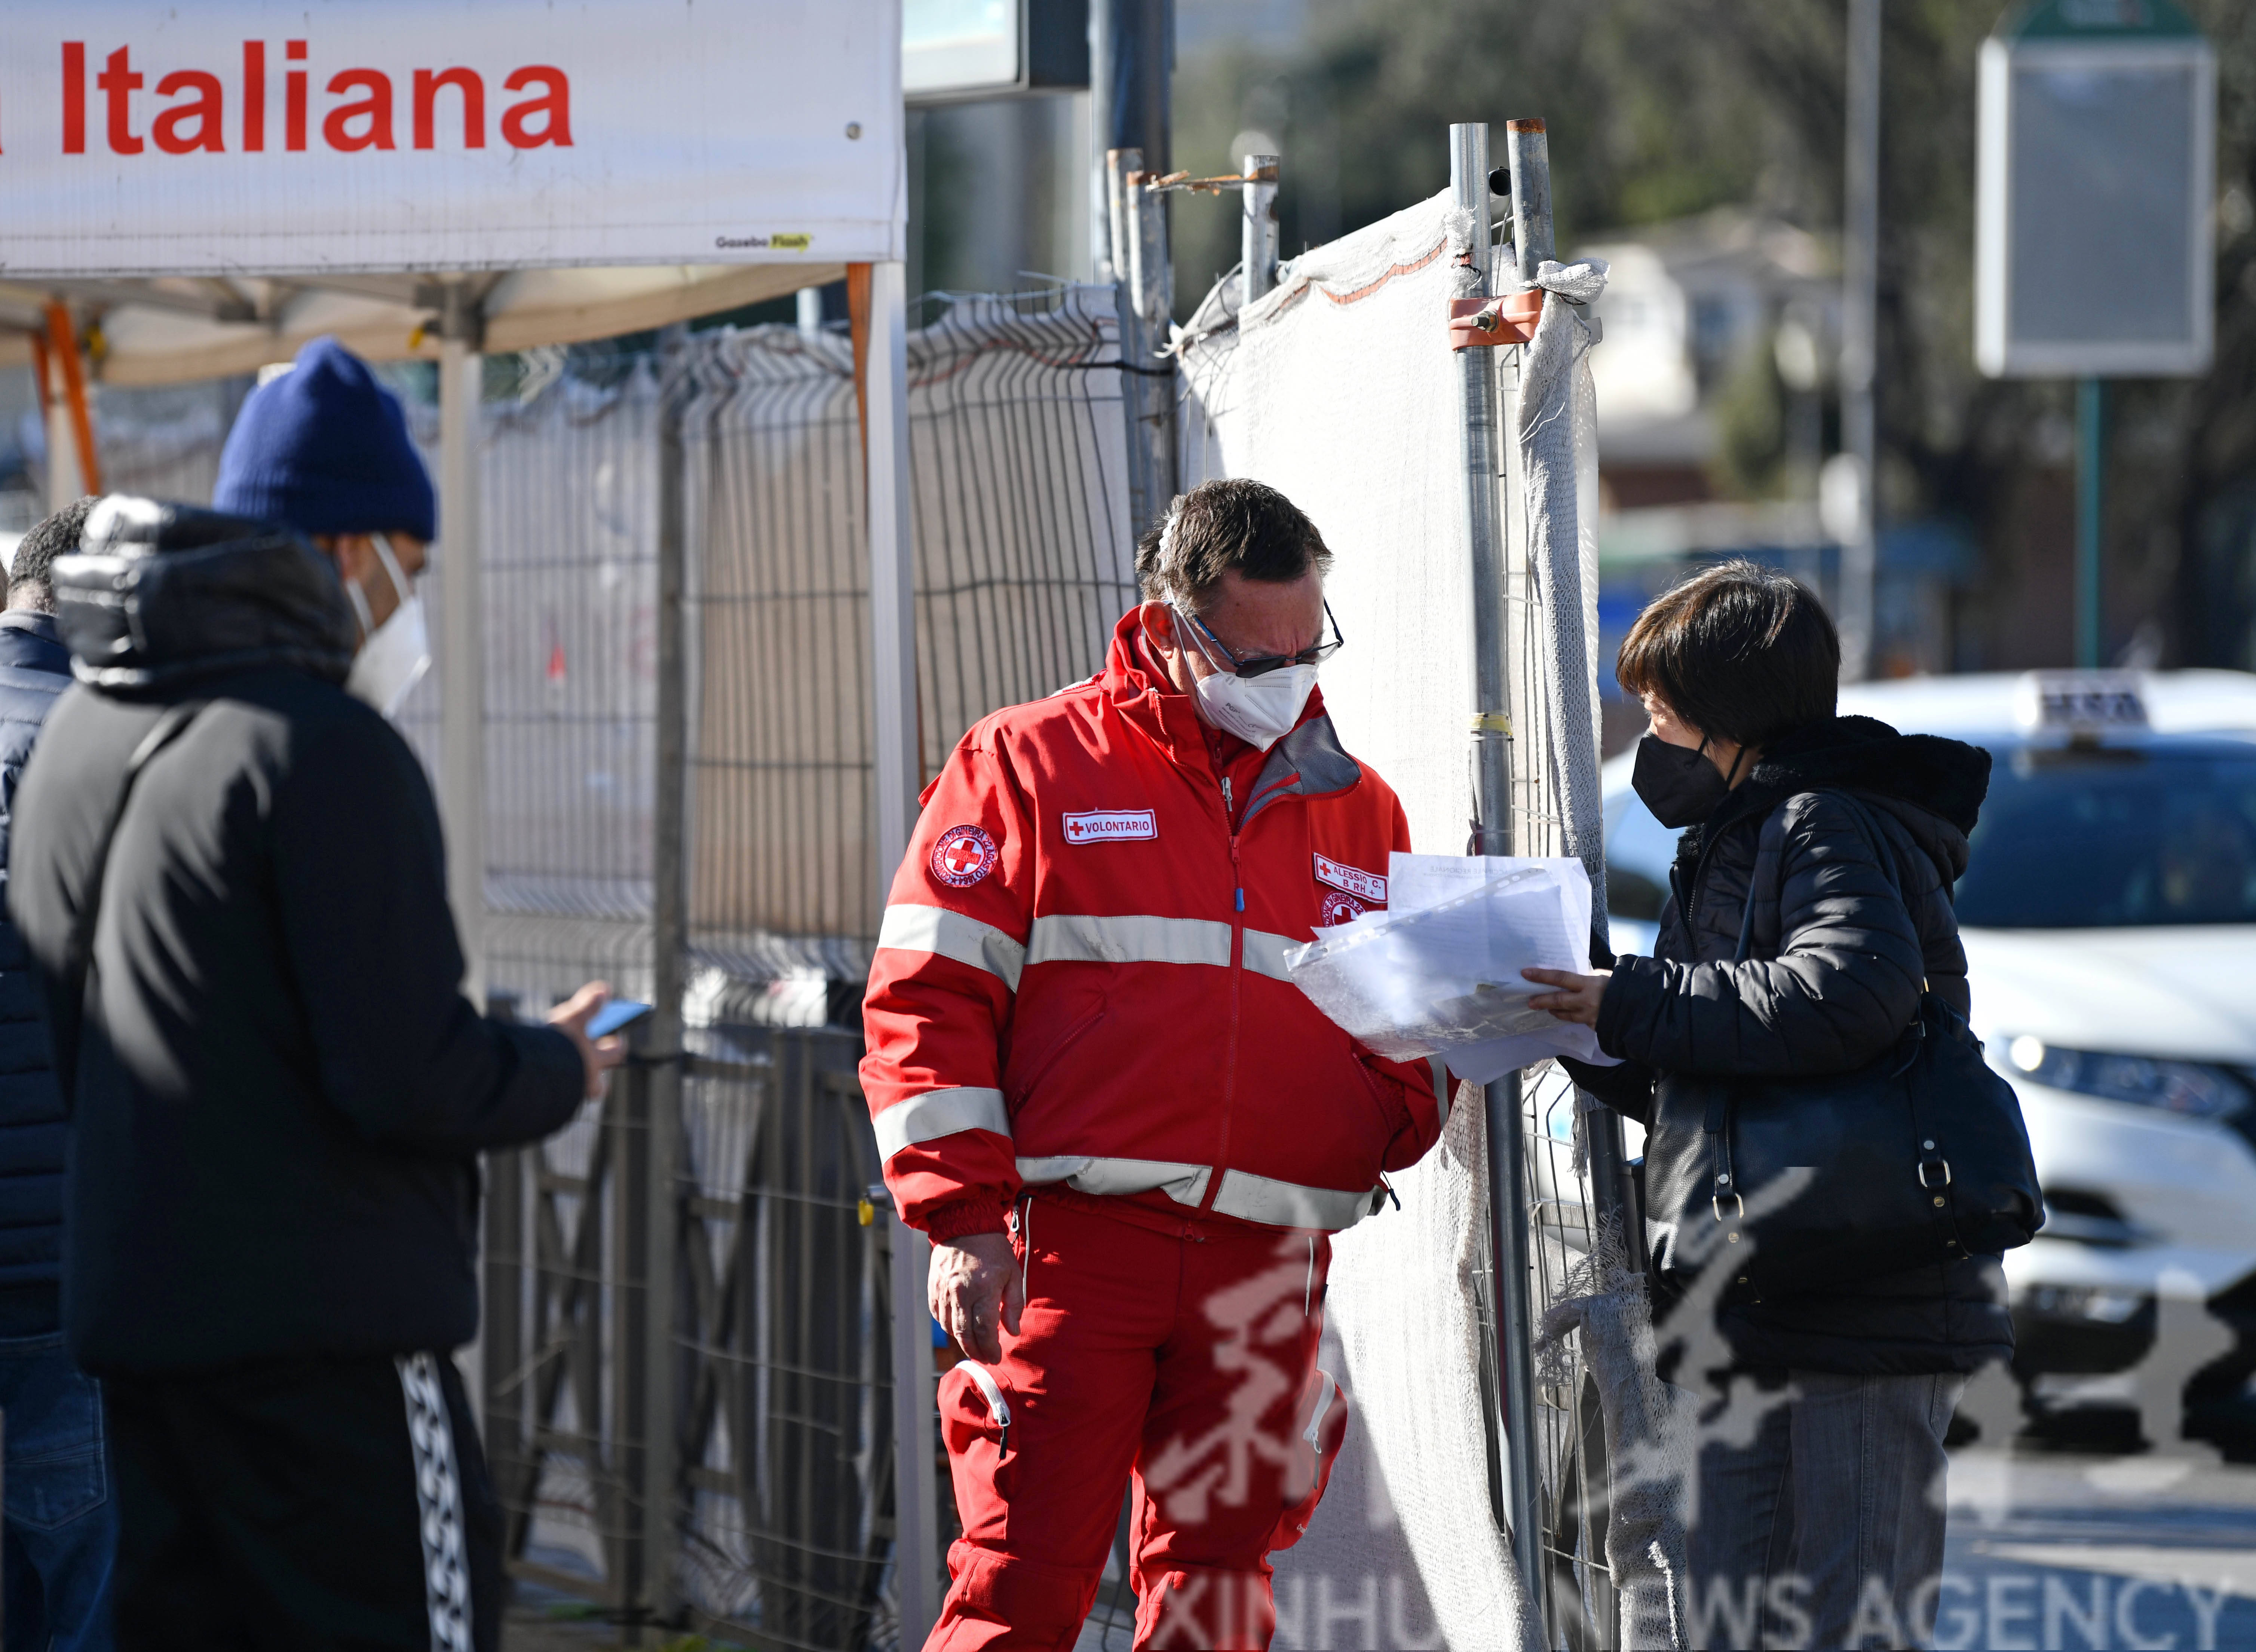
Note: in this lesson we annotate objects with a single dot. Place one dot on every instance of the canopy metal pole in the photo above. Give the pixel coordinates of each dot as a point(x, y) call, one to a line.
point(462, 682)
point(892, 624)
point(665, 1051)
point(1859, 334)
point(1507, 1150)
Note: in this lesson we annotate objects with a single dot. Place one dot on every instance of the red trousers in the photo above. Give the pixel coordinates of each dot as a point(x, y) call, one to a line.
point(1188, 1358)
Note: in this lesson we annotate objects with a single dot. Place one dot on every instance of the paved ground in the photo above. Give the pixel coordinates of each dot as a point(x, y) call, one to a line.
point(2066, 1553)
point(2047, 1553)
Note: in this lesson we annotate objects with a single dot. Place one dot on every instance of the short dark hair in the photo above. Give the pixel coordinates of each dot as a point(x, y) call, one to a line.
point(1221, 525)
point(57, 535)
point(1741, 652)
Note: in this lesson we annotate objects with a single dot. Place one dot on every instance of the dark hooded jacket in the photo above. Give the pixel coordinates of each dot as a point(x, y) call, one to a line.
point(1832, 977)
point(279, 1090)
point(35, 669)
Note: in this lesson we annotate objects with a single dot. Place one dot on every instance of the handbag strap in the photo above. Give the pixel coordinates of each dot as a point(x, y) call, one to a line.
point(78, 956)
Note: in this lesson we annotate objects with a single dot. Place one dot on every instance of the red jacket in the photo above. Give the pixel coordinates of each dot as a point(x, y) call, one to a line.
point(1080, 978)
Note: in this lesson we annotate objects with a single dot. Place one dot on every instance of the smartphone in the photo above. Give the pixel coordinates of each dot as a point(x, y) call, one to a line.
point(619, 1013)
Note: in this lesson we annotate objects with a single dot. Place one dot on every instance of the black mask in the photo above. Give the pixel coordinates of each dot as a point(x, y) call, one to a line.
point(1677, 782)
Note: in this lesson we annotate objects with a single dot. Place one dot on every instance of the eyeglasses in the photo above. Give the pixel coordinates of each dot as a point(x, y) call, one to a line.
point(1262, 665)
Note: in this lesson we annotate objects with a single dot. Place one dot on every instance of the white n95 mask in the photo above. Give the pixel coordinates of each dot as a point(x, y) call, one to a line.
point(1259, 711)
point(393, 656)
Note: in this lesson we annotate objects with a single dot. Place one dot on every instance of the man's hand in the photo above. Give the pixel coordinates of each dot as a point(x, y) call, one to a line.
point(1577, 997)
point(597, 1055)
point(975, 1279)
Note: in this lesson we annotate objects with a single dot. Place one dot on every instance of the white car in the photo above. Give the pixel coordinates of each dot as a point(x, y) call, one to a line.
point(2109, 914)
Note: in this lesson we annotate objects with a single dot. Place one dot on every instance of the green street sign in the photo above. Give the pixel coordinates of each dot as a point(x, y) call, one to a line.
point(2097, 20)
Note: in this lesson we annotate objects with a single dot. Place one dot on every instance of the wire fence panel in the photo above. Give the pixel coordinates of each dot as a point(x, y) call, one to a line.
point(782, 822)
point(1019, 466)
point(785, 1391)
point(780, 1515)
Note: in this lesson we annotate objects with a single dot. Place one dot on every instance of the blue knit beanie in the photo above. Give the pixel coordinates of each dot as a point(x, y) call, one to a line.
point(324, 448)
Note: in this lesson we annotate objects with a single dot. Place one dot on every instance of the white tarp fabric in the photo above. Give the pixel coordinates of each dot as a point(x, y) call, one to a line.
point(1338, 388)
point(1557, 498)
point(278, 137)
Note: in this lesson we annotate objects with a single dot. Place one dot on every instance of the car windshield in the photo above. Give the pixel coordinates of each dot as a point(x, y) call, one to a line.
point(2071, 840)
point(2067, 840)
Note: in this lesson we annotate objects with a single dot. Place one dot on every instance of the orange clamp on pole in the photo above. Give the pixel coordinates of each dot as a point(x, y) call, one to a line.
point(1484, 323)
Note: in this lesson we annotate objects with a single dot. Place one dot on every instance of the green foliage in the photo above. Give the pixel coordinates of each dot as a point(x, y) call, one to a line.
point(1750, 414)
point(1658, 108)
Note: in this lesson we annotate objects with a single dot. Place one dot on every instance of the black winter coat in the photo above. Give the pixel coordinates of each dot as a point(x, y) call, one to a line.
point(280, 1090)
point(1832, 977)
point(35, 669)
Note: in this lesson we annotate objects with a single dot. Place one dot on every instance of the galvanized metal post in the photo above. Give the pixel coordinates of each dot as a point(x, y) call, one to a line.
point(1481, 428)
point(1257, 234)
point(892, 623)
point(462, 669)
point(2090, 519)
point(1860, 334)
point(660, 1498)
point(1147, 383)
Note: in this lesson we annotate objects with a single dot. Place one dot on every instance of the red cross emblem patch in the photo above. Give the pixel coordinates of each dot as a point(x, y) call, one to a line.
point(962, 857)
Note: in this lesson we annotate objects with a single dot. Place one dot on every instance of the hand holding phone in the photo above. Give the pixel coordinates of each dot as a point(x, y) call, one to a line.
point(579, 1017)
point(616, 1016)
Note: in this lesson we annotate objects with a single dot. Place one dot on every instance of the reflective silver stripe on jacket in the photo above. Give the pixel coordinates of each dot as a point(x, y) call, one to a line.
point(1079, 938)
point(1185, 1183)
point(937, 1113)
point(950, 935)
point(1265, 954)
point(1258, 1198)
point(1252, 1198)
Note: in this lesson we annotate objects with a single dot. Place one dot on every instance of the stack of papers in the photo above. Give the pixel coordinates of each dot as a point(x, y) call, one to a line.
point(1438, 972)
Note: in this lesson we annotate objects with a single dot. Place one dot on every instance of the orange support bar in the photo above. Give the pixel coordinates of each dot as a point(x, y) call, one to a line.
point(62, 338)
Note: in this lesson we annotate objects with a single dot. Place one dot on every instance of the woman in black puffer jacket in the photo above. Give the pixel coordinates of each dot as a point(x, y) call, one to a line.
point(1818, 1513)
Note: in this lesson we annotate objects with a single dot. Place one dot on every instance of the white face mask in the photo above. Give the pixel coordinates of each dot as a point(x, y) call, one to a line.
point(393, 656)
point(1259, 711)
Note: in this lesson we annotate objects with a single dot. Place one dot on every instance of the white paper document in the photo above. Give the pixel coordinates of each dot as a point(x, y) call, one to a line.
point(1438, 972)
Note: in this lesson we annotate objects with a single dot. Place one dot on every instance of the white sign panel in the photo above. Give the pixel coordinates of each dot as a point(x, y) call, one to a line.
point(957, 46)
point(234, 136)
point(2094, 250)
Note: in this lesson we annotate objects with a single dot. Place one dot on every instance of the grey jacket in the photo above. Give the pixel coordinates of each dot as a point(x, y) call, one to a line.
point(1832, 976)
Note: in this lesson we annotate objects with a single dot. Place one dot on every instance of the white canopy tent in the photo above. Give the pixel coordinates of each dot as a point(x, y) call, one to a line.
point(169, 330)
point(203, 189)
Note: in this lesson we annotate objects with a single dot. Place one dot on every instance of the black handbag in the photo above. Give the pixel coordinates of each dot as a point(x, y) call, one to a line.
point(1794, 1184)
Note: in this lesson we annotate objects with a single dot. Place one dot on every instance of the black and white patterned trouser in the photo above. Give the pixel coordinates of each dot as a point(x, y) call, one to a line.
point(306, 1506)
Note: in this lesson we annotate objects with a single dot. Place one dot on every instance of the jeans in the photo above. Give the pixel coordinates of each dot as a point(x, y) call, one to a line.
point(61, 1525)
point(1820, 1512)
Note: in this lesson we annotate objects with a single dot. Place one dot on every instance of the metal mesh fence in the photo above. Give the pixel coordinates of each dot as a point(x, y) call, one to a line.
point(777, 1378)
point(1022, 565)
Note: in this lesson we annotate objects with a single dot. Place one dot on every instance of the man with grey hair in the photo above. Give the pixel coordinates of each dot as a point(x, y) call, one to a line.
point(1129, 1135)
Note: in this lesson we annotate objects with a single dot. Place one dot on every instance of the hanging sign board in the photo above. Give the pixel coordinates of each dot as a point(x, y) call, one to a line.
point(233, 137)
point(956, 50)
point(2094, 251)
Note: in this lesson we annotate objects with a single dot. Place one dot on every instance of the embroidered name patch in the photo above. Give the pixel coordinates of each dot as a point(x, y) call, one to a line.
point(1111, 825)
point(962, 857)
point(1362, 884)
